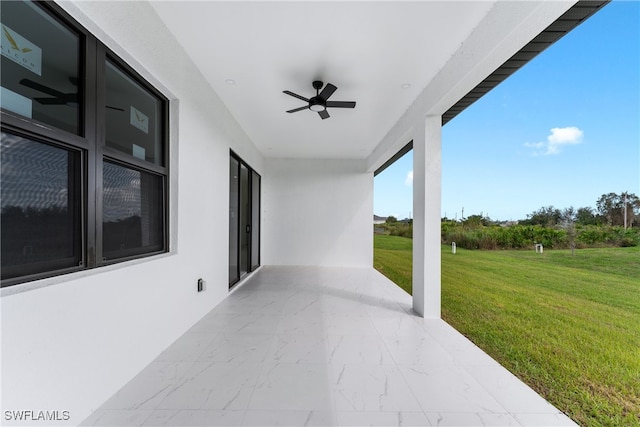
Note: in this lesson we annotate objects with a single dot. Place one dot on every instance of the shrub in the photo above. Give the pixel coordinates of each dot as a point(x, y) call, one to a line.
point(521, 236)
point(591, 235)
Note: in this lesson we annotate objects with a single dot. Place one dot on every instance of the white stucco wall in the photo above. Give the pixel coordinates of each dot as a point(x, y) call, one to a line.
point(73, 342)
point(317, 212)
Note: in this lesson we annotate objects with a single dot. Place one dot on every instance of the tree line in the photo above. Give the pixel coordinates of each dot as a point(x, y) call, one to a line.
point(611, 209)
point(612, 223)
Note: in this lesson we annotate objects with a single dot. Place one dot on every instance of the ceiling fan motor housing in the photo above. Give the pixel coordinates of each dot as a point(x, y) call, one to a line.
point(317, 104)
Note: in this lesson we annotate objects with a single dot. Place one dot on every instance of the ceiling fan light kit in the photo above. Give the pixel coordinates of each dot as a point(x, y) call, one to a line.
point(320, 102)
point(316, 107)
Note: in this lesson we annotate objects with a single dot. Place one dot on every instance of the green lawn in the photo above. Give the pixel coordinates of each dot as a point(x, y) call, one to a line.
point(392, 257)
point(569, 326)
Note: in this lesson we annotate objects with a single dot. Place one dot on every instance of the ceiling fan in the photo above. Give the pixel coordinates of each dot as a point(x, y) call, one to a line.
point(320, 102)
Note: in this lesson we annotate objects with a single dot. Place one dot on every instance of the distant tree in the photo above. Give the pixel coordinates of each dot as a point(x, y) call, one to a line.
point(633, 208)
point(546, 216)
point(474, 221)
point(612, 208)
point(391, 219)
point(569, 216)
point(607, 207)
point(586, 216)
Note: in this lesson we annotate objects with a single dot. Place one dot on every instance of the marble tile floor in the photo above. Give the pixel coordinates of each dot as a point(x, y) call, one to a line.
point(313, 346)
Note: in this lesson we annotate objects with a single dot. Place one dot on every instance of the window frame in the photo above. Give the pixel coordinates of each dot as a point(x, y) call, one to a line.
point(81, 189)
point(90, 143)
point(106, 153)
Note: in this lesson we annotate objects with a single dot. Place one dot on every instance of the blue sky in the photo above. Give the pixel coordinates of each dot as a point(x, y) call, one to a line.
point(561, 131)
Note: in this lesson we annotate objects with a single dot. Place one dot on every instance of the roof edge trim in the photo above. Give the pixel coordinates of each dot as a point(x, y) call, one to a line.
point(568, 21)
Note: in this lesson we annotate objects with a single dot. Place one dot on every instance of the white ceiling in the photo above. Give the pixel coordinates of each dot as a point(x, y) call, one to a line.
point(367, 49)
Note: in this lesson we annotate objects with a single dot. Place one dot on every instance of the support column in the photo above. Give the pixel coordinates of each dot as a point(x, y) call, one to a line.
point(427, 179)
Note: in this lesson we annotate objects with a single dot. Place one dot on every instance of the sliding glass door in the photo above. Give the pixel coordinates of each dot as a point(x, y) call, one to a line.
point(234, 220)
point(244, 219)
point(255, 220)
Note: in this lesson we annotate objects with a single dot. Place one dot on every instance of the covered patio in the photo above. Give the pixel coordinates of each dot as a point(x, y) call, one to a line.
point(320, 346)
point(260, 304)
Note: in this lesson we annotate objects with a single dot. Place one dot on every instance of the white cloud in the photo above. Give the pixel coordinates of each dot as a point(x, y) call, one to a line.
point(537, 145)
point(559, 137)
point(409, 179)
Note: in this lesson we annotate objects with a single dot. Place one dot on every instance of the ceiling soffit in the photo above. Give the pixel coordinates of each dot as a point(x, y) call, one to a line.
point(369, 50)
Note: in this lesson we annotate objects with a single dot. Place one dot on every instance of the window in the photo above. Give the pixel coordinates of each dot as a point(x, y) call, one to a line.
point(132, 220)
point(84, 150)
point(134, 117)
point(40, 67)
point(41, 216)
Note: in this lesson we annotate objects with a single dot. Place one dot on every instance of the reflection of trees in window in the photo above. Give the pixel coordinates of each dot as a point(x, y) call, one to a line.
point(132, 206)
point(35, 234)
point(121, 193)
point(39, 213)
point(125, 233)
point(33, 174)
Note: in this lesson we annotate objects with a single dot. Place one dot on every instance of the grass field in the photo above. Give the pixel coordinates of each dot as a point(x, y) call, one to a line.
point(569, 326)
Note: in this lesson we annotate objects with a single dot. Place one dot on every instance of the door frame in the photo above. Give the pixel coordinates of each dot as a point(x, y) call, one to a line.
point(240, 228)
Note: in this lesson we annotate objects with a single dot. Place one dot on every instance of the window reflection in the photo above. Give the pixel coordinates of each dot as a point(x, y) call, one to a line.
point(133, 117)
point(132, 211)
point(40, 63)
point(39, 206)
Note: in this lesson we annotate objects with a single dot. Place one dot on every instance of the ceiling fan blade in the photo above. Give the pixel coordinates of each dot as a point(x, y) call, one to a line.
point(298, 109)
point(324, 114)
point(295, 95)
point(41, 88)
point(50, 101)
point(327, 91)
point(341, 104)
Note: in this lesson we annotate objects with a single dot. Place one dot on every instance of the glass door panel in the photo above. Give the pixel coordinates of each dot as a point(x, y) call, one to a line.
point(234, 195)
point(245, 220)
point(255, 220)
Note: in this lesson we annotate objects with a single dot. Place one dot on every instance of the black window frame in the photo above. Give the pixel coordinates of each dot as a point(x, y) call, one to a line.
point(90, 142)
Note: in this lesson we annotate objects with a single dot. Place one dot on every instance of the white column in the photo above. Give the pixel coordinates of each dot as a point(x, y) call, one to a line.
point(427, 172)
